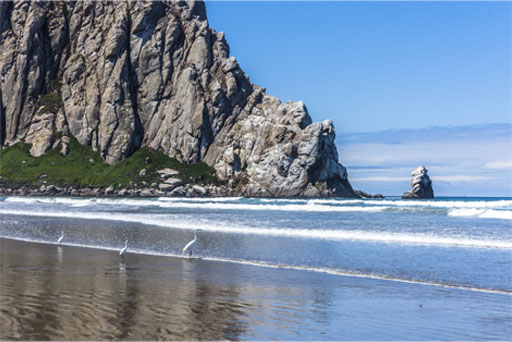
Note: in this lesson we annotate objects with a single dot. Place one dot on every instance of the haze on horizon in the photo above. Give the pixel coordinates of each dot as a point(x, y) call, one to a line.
point(374, 67)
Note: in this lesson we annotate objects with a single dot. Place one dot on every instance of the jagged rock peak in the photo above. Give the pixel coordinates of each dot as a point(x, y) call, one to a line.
point(121, 75)
point(421, 185)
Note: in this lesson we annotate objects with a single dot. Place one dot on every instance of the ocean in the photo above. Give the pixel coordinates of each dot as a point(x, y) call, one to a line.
point(455, 253)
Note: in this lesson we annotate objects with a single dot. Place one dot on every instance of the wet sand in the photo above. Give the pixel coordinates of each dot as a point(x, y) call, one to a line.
point(72, 293)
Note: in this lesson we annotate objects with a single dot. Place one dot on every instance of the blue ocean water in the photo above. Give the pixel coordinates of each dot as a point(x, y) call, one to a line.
point(449, 242)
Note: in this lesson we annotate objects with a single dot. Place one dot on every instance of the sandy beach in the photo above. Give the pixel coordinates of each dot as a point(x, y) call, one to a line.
point(71, 293)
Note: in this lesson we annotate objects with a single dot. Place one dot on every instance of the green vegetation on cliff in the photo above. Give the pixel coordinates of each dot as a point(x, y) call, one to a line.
point(52, 100)
point(83, 167)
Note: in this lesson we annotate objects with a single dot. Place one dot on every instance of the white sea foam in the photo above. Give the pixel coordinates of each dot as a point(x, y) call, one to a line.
point(168, 221)
point(482, 213)
point(117, 201)
point(267, 204)
point(199, 199)
point(282, 200)
point(501, 204)
point(325, 270)
point(195, 204)
point(499, 209)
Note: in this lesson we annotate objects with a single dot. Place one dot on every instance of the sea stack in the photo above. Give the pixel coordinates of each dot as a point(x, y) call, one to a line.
point(421, 185)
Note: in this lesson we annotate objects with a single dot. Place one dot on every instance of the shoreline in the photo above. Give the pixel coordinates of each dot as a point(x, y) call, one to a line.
point(314, 276)
point(186, 190)
point(326, 271)
point(73, 293)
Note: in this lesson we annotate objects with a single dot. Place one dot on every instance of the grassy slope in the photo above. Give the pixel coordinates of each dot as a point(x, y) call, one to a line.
point(76, 169)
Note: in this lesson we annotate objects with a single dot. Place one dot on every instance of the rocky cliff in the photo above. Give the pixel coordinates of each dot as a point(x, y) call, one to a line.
point(121, 75)
point(421, 185)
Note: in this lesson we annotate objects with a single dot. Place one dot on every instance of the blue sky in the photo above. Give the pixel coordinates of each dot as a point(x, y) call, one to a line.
point(473, 160)
point(379, 66)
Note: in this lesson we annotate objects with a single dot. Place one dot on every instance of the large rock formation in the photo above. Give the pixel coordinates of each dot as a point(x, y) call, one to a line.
point(121, 75)
point(421, 185)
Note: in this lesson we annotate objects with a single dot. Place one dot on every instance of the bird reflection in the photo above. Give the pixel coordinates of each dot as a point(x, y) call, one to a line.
point(122, 276)
point(60, 254)
point(122, 267)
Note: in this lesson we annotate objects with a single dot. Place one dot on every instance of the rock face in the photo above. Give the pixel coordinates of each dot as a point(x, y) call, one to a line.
point(121, 75)
point(364, 194)
point(421, 185)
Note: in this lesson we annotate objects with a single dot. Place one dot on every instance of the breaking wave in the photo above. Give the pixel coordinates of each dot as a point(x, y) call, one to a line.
point(504, 204)
point(493, 209)
point(197, 203)
point(482, 213)
point(163, 220)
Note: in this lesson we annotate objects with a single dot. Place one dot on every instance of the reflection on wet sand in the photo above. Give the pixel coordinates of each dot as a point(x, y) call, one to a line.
point(69, 293)
point(45, 297)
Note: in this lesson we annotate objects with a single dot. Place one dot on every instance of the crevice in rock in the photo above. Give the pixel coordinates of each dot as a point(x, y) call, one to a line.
point(66, 53)
point(133, 85)
point(206, 135)
point(39, 44)
point(6, 8)
point(2, 120)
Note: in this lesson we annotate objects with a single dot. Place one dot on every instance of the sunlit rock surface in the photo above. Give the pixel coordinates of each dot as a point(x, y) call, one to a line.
point(131, 74)
point(421, 185)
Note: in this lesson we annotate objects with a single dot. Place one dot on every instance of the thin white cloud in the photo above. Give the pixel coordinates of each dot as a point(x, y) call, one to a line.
point(460, 178)
point(380, 179)
point(461, 160)
point(499, 164)
point(455, 178)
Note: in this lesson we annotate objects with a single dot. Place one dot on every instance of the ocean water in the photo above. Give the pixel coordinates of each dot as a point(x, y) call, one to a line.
point(377, 261)
point(455, 242)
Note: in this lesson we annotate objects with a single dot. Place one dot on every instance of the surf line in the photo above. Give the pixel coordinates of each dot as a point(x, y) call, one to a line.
point(358, 275)
point(334, 272)
point(336, 235)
